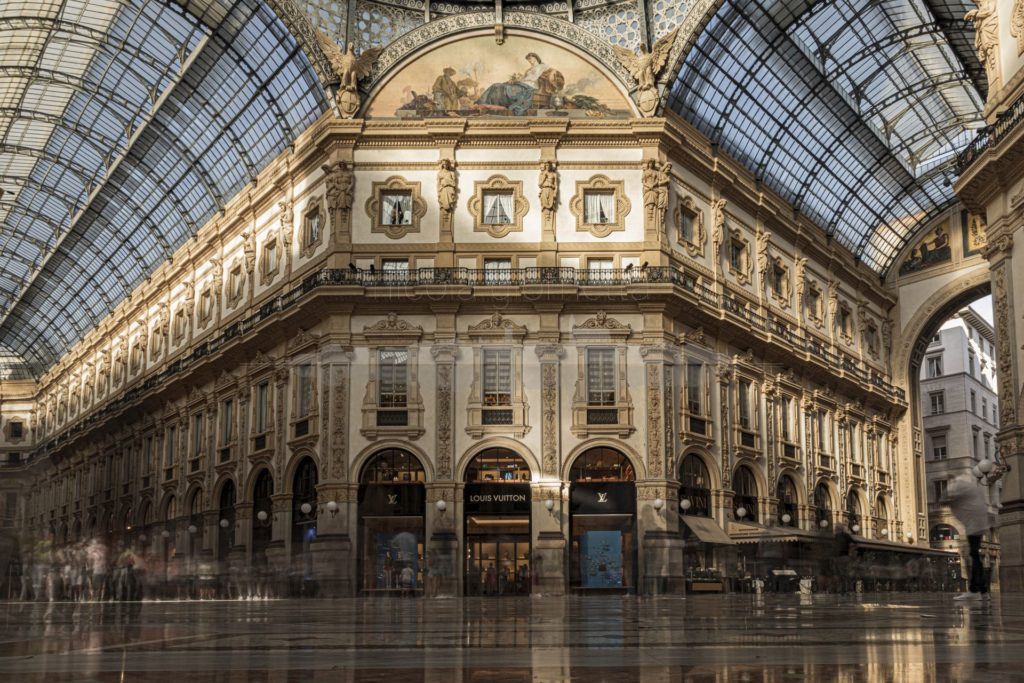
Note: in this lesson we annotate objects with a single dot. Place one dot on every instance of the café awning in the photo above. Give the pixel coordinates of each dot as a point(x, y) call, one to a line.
point(706, 530)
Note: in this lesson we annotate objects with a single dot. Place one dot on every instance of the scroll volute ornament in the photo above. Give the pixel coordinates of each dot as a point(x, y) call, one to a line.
point(645, 69)
point(349, 68)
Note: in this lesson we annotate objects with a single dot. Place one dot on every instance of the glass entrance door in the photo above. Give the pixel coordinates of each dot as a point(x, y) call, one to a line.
point(498, 555)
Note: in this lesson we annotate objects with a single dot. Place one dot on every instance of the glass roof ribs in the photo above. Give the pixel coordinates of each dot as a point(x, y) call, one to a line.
point(852, 113)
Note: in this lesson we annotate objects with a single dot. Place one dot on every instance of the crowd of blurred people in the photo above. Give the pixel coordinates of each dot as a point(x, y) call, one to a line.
point(92, 570)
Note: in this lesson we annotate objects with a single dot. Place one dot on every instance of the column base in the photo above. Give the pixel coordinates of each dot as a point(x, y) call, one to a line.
point(663, 564)
point(548, 570)
point(441, 563)
point(332, 564)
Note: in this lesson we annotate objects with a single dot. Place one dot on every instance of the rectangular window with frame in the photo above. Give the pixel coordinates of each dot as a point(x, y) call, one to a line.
point(695, 388)
point(984, 408)
point(498, 207)
point(394, 370)
point(743, 401)
point(974, 442)
point(171, 444)
point(940, 486)
point(737, 255)
point(497, 271)
point(303, 390)
point(311, 226)
point(974, 401)
point(938, 402)
point(147, 461)
point(988, 446)
point(396, 208)
point(786, 418)
point(601, 377)
point(270, 257)
point(497, 374)
point(934, 366)
point(197, 434)
point(235, 280)
point(939, 447)
point(206, 305)
point(687, 220)
point(262, 408)
point(822, 430)
point(598, 207)
point(227, 421)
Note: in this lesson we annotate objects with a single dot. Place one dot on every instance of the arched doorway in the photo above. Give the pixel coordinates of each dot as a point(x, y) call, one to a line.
point(304, 520)
point(822, 506)
point(882, 517)
point(744, 499)
point(695, 489)
point(786, 494)
point(226, 523)
point(853, 511)
point(195, 525)
point(262, 518)
point(496, 506)
point(392, 506)
point(602, 521)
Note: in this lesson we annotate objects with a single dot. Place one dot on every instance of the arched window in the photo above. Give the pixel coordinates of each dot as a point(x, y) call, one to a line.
point(853, 509)
point(943, 532)
point(696, 486)
point(882, 512)
point(497, 465)
point(226, 521)
point(602, 464)
point(263, 507)
point(822, 506)
point(393, 466)
point(304, 506)
point(786, 493)
point(171, 511)
point(195, 521)
point(744, 498)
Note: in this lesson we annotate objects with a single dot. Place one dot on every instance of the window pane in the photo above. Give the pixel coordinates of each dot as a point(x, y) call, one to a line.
point(601, 377)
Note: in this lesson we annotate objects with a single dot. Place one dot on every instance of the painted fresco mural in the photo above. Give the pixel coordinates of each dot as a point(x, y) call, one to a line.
point(930, 250)
point(522, 77)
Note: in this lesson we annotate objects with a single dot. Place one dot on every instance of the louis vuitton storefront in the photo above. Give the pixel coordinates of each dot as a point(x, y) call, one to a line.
point(496, 504)
point(392, 502)
point(602, 522)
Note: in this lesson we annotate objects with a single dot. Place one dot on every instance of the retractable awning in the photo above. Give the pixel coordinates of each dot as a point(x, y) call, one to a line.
point(706, 530)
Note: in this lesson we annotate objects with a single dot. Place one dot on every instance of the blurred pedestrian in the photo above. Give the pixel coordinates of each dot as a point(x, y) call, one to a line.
point(968, 499)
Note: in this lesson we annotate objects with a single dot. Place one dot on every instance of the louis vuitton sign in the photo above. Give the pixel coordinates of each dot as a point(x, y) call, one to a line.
point(497, 499)
point(603, 498)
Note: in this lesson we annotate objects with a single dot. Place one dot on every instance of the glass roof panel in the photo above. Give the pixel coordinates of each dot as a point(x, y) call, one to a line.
point(852, 112)
point(135, 121)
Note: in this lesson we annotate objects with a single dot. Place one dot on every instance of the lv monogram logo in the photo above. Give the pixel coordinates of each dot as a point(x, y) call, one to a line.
point(602, 497)
point(392, 499)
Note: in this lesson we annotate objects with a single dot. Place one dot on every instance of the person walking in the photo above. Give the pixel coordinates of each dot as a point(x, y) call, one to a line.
point(968, 500)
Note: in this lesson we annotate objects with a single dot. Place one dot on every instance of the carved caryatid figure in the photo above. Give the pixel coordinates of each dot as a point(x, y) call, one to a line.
point(249, 247)
point(349, 68)
point(986, 38)
point(664, 182)
point(763, 257)
point(645, 68)
point(717, 226)
point(447, 187)
point(340, 186)
point(548, 187)
point(649, 179)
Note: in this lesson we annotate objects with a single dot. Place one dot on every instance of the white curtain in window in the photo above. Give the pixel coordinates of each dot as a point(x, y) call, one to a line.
point(599, 207)
point(497, 208)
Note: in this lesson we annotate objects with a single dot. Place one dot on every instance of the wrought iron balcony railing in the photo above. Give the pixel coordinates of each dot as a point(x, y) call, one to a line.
point(986, 137)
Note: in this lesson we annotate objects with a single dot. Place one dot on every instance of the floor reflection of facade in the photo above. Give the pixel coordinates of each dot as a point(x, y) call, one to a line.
point(721, 639)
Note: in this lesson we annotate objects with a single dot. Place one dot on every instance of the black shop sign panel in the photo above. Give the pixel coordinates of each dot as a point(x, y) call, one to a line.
point(406, 500)
point(497, 499)
point(603, 498)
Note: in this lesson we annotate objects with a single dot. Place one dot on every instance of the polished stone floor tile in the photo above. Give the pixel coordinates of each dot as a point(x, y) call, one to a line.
point(699, 639)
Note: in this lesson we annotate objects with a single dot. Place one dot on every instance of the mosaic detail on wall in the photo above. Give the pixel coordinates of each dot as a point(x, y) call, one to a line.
point(522, 77)
point(973, 230)
point(378, 24)
point(930, 250)
point(618, 23)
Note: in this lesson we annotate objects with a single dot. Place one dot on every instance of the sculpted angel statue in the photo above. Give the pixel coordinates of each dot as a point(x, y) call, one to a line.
point(645, 68)
point(349, 68)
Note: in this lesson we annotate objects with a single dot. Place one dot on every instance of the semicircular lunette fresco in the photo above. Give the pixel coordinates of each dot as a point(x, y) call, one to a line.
point(476, 77)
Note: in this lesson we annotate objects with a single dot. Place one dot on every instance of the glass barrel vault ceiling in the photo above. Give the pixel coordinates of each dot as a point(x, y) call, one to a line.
point(853, 111)
point(125, 125)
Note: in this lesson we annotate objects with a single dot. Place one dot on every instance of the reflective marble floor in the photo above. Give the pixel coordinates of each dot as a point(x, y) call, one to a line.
point(744, 638)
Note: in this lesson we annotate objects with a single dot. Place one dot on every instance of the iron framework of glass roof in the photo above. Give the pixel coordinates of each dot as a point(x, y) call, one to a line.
point(852, 111)
point(126, 124)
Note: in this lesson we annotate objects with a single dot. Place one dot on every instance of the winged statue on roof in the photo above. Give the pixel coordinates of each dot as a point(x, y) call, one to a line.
point(349, 68)
point(645, 68)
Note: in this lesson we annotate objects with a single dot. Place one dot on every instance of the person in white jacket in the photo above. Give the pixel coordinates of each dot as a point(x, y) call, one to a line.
point(969, 501)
